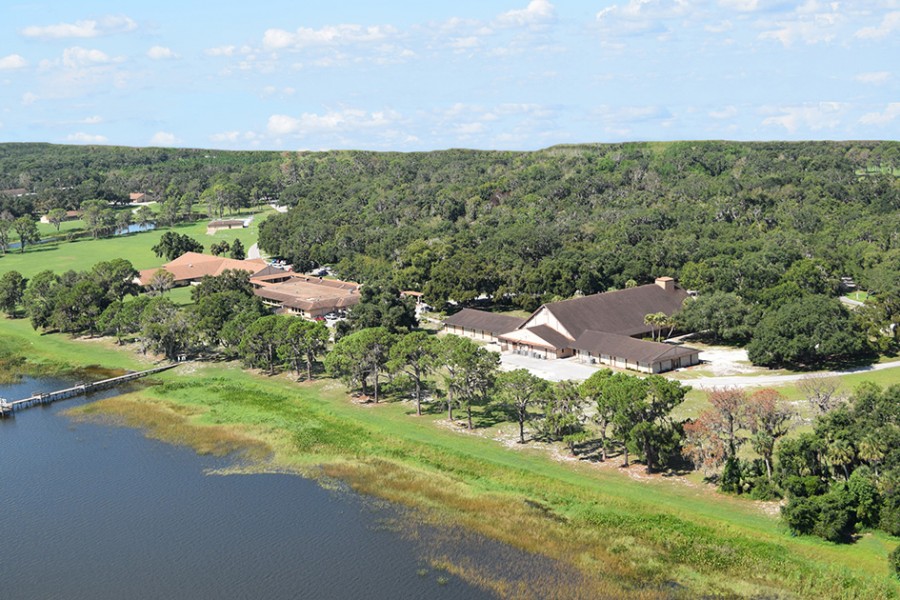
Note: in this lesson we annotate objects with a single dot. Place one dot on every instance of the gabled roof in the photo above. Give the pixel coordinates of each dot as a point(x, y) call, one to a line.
point(622, 346)
point(553, 338)
point(193, 265)
point(620, 312)
point(470, 318)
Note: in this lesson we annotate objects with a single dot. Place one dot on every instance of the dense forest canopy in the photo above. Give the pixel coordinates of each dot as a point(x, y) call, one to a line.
point(767, 221)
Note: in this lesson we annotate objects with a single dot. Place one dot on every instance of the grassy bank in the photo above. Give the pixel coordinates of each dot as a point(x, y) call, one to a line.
point(624, 538)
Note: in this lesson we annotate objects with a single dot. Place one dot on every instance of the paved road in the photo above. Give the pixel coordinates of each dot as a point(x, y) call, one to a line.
point(253, 251)
point(570, 368)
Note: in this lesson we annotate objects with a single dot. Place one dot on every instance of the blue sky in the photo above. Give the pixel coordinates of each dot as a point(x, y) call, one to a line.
point(414, 75)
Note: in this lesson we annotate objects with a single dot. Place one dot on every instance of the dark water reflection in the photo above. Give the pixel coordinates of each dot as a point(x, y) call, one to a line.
point(92, 512)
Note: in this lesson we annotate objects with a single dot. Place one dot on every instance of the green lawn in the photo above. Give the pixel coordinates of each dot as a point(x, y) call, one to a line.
point(83, 253)
point(615, 530)
point(858, 296)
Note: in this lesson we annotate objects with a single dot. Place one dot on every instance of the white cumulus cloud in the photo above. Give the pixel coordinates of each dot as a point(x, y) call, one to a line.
point(89, 28)
point(349, 119)
point(889, 24)
point(810, 23)
point(331, 35)
point(161, 53)
point(226, 136)
point(13, 61)
point(538, 12)
point(729, 112)
point(822, 115)
point(891, 112)
point(86, 138)
point(77, 56)
point(874, 78)
point(163, 138)
point(221, 51)
point(640, 17)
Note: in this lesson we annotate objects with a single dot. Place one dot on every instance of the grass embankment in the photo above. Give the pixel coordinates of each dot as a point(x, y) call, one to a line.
point(623, 538)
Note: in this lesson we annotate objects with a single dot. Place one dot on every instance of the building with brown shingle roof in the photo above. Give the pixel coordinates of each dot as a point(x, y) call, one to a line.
point(480, 325)
point(191, 267)
point(601, 328)
point(304, 295)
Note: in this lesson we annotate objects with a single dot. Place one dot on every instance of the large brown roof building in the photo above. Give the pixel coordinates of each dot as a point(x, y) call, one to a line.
point(601, 328)
point(191, 267)
point(304, 295)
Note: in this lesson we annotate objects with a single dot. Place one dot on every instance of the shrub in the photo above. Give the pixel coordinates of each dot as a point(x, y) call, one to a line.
point(763, 489)
point(800, 515)
point(837, 516)
point(894, 561)
point(804, 487)
point(731, 476)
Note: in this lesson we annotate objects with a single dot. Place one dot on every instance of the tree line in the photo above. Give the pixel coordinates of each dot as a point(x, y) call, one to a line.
point(839, 479)
point(768, 227)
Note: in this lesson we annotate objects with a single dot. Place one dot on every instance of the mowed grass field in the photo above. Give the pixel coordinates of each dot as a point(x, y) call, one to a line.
point(60, 255)
point(624, 534)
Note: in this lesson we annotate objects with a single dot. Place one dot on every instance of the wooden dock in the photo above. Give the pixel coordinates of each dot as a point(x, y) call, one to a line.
point(7, 409)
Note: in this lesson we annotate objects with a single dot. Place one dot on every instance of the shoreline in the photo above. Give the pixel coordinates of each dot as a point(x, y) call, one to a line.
point(600, 524)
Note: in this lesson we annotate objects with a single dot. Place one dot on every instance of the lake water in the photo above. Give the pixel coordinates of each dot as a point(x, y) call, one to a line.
point(90, 511)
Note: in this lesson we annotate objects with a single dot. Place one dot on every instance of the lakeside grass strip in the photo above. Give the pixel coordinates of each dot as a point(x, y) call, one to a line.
point(599, 524)
point(630, 539)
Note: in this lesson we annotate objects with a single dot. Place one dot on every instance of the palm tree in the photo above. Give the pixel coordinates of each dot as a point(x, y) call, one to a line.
point(872, 451)
point(652, 320)
point(840, 453)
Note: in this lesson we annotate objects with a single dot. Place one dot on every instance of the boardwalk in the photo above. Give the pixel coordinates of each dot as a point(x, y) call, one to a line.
point(8, 408)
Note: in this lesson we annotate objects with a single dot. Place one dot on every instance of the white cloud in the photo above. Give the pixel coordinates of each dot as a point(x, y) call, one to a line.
point(221, 51)
point(349, 119)
point(740, 5)
point(538, 12)
point(639, 17)
point(823, 115)
point(465, 43)
point(82, 29)
point(94, 120)
point(29, 98)
point(720, 27)
point(332, 35)
point(160, 53)
point(891, 112)
point(13, 61)
point(729, 112)
point(889, 24)
point(874, 77)
point(810, 23)
point(77, 57)
point(226, 136)
point(163, 138)
point(86, 138)
point(271, 90)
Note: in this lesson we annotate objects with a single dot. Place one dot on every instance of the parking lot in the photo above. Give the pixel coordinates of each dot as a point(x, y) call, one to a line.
point(552, 370)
